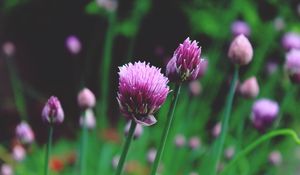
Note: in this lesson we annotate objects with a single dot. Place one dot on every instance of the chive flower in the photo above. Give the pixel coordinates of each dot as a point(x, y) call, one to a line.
point(292, 65)
point(142, 91)
point(24, 133)
point(86, 99)
point(52, 112)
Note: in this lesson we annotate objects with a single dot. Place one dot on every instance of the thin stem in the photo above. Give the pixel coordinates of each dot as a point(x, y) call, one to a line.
point(48, 150)
point(166, 130)
point(83, 145)
point(225, 121)
point(126, 148)
point(264, 138)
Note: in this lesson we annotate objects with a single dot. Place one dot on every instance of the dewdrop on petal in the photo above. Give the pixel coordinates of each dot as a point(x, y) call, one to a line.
point(18, 153)
point(6, 170)
point(24, 133)
point(275, 158)
point(151, 155)
point(179, 140)
point(142, 91)
point(240, 51)
point(89, 120)
point(264, 112)
point(52, 112)
point(194, 143)
point(73, 45)
point(249, 88)
point(292, 65)
point(240, 27)
point(86, 99)
point(137, 132)
point(291, 40)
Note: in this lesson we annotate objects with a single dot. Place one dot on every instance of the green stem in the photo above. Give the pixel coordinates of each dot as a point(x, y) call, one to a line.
point(225, 121)
point(166, 130)
point(126, 148)
point(264, 138)
point(105, 67)
point(84, 141)
point(48, 150)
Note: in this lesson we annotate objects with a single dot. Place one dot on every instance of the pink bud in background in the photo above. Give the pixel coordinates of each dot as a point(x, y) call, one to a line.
point(8, 48)
point(24, 133)
point(73, 44)
point(275, 158)
point(229, 152)
point(195, 88)
point(217, 130)
point(194, 142)
point(240, 27)
point(52, 112)
point(179, 140)
point(115, 161)
point(137, 132)
point(109, 5)
point(89, 120)
point(290, 41)
point(6, 170)
point(264, 112)
point(86, 99)
point(151, 155)
point(292, 65)
point(240, 51)
point(18, 153)
point(249, 88)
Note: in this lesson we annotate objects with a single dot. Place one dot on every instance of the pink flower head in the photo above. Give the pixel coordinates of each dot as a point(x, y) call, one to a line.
point(240, 50)
point(151, 155)
point(194, 142)
point(240, 27)
point(195, 88)
point(290, 41)
point(264, 112)
point(9, 48)
point(73, 45)
point(18, 153)
point(292, 65)
point(249, 88)
point(86, 99)
point(53, 112)
point(109, 5)
point(6, 170)
point(137, 132)
point(186, 64)
point(24, 133)
point(275, 158)
point(179, 140)
point(142, 91)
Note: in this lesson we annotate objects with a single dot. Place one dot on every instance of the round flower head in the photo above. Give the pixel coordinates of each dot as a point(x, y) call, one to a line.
point(240, 27)
point(292, 65)
point(86, 99)
point(240, 51)
point(186, 64)
point(151, 155)
point(53, 112)
point(249, 88)
point(264, 112)
point(290, 41)
point(275, 158)
point(194, 142)
point(88, 120)
point(142, 91)
point(73, 44)
point(6, 170)
point(179, 140)
point(24, 133)
point(18, 153)
point(8, 48)
point(137, 132)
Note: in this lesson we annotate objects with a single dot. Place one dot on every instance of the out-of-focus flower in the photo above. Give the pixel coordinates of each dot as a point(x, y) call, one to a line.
point(275, 158)
point(249, 88)
point(240, 51)
point(240, 27)
point(8, 48)
point(292, 65)
point(217, 130)
point(73, 44)
point(193, 173)
point(151, 155)
point(52, 112)
point(18, 153)
point(115, 161)
point(195, 88)
point(264, 112)
point(89, 120)
point(194, 142)
point(6, 170)
point(186, 64)
point(137, 132)
point(24, 133)
point(109, 5)
point(271, 67)
point(142, 91)
point(279, 23)
point(56, 164)
point(86, 99)
point(179, 140)
point(229, 152)
point(291, 40)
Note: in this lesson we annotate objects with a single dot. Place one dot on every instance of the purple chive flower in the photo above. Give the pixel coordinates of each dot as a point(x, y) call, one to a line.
point(240, 51)
point(18, 153)
point(217, 130)
point(179, 140)
point(264, 112)
point(249, 88)
point(137, 132)
point(24, 133)
point(53, 112)
point(73, 44)
point(9, 48)
point(194, 142)
point(86, 99)
point(240, 27)
point(275, 158)
point(89, 120)
point(142, 91)
point(195, 88)
point(292, 65)
point(6, 170)
point(186, 64)
point(290, 41)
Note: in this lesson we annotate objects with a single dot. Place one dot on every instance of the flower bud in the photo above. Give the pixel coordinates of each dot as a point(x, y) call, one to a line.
point(179, 140)
point(88, 120)
point(6, 170)
point(194, 143)
point(275, 158)
point(195, 88)
point(109, 5)
point(115, 161)
point(8, 48)
point(18, 153)
point(240, 27)
point(86, 99)
point(52, 112)
point(279, 23)
point(290, 41)
point(264, 112)
point(292, 65)
point(249, 88)
point(229, 152)
point(73, 45)
point(137, 132)
point(24, 133)
point(240, 51)
point(217, 130)
point(151, 155)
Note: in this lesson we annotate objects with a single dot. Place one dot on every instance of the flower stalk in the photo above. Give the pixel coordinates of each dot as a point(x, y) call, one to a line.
point(48, 150)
